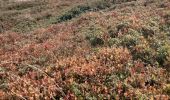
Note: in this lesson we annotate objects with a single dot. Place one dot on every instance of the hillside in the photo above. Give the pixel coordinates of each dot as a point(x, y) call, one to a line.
point(85, 50)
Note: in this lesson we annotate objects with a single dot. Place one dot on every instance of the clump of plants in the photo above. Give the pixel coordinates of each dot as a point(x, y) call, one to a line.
point(163, 54)
point(94, 35)
point(74, 12)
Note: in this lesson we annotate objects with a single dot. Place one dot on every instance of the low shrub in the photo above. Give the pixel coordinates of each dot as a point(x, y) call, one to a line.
point(165, 28)
point(129, 41)
point(147, 32)
point(163, 53)
point(94, 34)
point(144, 53)
point(114, 42)
point(124, 26)
point(113, 33)
point(155, 43)
point(96, 41)
point(166, 25)
point(74, 12)
point(121, 28)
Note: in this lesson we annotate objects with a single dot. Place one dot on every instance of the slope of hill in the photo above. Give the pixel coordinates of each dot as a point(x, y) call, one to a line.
point(85, 50)
point(25, 16)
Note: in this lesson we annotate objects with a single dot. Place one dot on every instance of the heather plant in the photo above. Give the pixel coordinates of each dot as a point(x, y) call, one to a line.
point(74, 12)
point(114, 42)
point(144, 53)
point(129, 41)
point(112, 33)
point(94, 34)
point(96, 41)
point(163, 54)
point(100, 53)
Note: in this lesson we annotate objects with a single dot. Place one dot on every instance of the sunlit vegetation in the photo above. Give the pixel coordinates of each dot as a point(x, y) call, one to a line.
point(85, 50)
